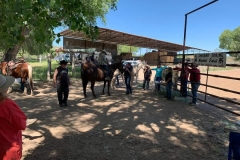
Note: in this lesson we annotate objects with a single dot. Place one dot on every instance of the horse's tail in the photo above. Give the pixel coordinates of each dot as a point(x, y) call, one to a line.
point(30, 73)
point(83, 76)
point(82, 71)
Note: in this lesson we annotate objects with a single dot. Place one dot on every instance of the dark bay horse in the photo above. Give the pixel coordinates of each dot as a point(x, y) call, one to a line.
point(23, 71)
point(91, 72)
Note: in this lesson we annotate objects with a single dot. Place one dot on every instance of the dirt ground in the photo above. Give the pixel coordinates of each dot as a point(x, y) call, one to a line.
point(139, 126)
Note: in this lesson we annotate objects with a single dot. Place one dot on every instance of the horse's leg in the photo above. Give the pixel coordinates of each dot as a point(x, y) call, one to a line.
point(25, 86)
point(123, 78)
point(30, 79)
point(85, 82)
point(108, 88)
point(136, 77)
point(131, 82)
point(113, 82)
point(92, 88)
point(103, 87)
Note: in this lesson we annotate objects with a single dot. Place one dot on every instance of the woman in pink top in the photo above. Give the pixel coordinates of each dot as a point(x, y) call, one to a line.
point(12, 122)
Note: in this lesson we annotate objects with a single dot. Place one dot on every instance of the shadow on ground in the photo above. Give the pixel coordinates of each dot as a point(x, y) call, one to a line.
point(138, 126)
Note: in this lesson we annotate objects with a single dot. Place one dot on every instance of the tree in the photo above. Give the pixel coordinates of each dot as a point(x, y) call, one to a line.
point(128, 49)
point(230, 40)
point(21, 19)
point(36, 48)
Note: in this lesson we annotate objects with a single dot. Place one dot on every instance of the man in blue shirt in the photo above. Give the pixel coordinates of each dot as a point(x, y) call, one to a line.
point(158, 76)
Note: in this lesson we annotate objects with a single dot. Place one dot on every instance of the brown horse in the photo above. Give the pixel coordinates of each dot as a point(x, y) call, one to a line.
point(23, 71)
point(91, 72)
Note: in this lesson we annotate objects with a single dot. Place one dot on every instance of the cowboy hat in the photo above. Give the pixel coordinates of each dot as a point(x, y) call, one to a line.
point(63, 62)
point(5, 82)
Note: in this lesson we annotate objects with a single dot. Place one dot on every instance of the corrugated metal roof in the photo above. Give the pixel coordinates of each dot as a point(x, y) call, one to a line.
point(116, 37)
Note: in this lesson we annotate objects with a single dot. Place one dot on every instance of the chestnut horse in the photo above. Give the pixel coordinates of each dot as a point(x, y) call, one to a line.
point(91, 72)
point(23, 71)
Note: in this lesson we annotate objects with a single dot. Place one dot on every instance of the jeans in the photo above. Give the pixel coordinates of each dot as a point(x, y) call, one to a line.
point(157, 86)
point(195, 86)
point(184, 87)
point(146, 83)
point(62, 93)
point(169, 90)
point(106, 69)
point(128, 86)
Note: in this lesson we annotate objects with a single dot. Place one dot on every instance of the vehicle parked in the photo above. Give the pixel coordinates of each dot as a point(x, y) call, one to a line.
point(63, 56)
point(133, 63)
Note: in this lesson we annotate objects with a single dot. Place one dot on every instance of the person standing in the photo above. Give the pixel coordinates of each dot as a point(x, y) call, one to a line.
point(127, 76)
point(12, 122)
point(158, 76)
point(61, 81)
point(147, 77)
point(195, 82)
point(168, 81)
point(184, 79)
point(102, 60)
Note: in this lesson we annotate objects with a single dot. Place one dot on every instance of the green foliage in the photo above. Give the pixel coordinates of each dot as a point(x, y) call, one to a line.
point(40, 70)
point(36, 48)
point(230, 40)
point(127, 49)
point(37, 19)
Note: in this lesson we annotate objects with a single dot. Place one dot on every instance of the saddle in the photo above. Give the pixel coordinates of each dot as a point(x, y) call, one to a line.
point(103, 69)
point(11, 65)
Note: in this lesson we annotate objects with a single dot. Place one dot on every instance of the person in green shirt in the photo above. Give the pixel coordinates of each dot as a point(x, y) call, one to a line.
point(158, 76)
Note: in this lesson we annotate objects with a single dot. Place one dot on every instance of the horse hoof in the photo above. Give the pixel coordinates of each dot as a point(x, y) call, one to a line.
point(95, 96)
point(85, 96)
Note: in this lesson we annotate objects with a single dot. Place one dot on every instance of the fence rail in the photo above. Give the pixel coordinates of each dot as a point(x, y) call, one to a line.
point(215, 87)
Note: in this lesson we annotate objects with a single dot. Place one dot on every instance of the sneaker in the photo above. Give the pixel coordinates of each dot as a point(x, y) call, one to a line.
point(60, 105)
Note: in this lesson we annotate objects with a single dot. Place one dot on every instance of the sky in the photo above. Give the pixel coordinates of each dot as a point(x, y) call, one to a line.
point(164, 20)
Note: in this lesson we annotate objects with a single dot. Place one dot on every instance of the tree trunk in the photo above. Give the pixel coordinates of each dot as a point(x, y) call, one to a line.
point(11, 53)
point(73, 64)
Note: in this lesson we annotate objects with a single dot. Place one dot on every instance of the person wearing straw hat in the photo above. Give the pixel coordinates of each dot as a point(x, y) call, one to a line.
point(102, 60)
point(12, 122)
point(61, 81)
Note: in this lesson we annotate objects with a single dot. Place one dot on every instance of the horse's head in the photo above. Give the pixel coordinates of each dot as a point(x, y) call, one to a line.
point(118, 65)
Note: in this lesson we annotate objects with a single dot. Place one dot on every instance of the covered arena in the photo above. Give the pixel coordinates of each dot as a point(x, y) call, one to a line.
point(109, 39)
point(139, 126)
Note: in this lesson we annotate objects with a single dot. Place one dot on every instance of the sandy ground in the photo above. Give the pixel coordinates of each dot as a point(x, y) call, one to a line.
point(139, 126)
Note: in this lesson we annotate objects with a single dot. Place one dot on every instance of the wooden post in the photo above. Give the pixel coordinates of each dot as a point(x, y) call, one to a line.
point(49, 67)
point(73, 64)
